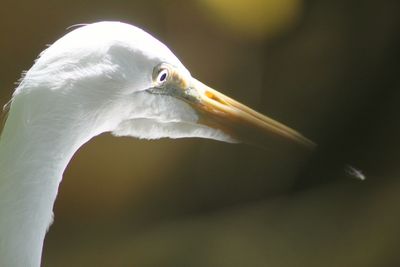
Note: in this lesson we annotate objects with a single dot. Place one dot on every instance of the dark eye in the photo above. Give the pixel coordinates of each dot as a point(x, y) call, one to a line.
point(162, 76)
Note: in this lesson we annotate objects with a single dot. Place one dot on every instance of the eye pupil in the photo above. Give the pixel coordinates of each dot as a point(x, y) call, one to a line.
point(163, 77)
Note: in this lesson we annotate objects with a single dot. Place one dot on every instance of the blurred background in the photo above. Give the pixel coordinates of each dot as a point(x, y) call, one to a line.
point(329, 69)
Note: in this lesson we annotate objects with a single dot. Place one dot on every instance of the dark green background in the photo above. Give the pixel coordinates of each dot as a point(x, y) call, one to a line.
point(331, 73)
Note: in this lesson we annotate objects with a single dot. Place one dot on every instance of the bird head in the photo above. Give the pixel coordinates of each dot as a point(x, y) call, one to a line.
point(114, 77)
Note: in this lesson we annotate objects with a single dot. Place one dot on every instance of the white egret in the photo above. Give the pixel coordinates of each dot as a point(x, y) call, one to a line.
point(103, 77)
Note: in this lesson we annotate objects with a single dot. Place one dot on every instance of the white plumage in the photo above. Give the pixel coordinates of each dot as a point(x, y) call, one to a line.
point(103, 77)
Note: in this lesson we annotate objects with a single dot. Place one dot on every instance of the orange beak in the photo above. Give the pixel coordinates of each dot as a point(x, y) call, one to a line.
point(239, 121)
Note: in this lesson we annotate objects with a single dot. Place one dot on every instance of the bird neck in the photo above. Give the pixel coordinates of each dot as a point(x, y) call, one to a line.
point(35, 148)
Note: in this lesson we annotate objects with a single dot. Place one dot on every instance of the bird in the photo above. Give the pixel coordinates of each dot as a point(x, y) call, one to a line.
point(102, 77)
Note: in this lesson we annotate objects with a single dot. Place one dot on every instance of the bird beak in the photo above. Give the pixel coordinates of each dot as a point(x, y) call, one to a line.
point(239, 121)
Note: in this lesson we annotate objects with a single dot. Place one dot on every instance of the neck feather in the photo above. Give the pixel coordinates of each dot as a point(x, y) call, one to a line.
point(35, 148)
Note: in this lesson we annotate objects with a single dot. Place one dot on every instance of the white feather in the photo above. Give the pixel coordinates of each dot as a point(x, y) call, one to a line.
point(90, 81)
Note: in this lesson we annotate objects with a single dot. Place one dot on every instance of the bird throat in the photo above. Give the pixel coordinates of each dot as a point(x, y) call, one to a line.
point(34, 151)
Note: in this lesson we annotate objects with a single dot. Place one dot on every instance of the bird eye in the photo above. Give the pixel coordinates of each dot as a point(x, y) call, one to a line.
point(162, 76)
